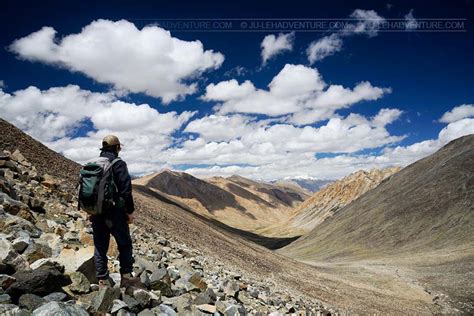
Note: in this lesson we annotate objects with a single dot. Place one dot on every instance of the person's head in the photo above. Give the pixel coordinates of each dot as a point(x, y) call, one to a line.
point(111, 143)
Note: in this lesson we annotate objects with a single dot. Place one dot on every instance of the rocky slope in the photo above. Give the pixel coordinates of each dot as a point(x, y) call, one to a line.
point(44, 159)
point(422, 218)
point(326, 202)
point(46, 263)
point(235, 201)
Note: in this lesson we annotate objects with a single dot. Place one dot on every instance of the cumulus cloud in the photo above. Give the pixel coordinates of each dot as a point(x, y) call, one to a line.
point(54, 117)
point(366, 22)
point(273, 45)
point(147, 60)
point(458, 113)
point(324, 47)
point(297, 91)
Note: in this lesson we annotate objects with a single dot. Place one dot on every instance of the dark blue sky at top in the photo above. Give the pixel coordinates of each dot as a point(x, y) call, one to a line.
point(429, 73)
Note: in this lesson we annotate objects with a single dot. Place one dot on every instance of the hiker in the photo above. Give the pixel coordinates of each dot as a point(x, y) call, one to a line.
point(112, 216)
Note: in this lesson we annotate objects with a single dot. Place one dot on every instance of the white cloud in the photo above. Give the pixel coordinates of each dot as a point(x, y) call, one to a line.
point(147, 60)
point(458, 113)
point(2, 84)
point(54, 115)
point(367, 22)
point(297, 90)
point(273, 45)
point(324, 47)
point(410, 21)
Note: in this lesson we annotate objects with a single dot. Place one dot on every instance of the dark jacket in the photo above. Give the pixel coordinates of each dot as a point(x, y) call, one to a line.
point(122, 180)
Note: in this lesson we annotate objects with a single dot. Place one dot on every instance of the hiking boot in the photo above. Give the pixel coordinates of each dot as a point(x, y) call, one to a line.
point(104, 284)
point(128, 280)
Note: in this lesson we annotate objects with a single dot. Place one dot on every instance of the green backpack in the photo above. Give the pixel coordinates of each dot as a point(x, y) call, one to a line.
point(97, 189)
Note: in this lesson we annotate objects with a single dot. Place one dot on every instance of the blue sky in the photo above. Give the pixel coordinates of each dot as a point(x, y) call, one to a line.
point(292, 115)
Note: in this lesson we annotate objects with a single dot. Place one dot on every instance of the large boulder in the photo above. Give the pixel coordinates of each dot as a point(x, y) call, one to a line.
point(80, 261)
point(36, 251)
point(41, 281)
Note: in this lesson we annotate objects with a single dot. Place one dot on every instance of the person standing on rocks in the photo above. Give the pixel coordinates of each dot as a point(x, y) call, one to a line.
point(115, 220)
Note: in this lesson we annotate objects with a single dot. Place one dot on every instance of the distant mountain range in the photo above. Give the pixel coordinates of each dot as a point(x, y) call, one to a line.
point(310, 184)
point(236, 201)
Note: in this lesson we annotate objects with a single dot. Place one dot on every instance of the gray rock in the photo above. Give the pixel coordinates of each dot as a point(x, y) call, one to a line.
point(230, 288)
point(36, 251)
point(102, 300)
point(60, 309)
point(206, 297)
point(161, 281)
point(30, 301)
point(79, 284)
point(47, 262)
point(55, 297)
point(132, 304)
point(12, 310)
point(10, 205)
point(20, 243)
point(5, 299)
point(235, 310)
point(143, 297)
point(117, 305)
point(81, 260)
point(41, 281)
point(166, 310)
point(10, 258)
point(208, 308)
point(124, 312)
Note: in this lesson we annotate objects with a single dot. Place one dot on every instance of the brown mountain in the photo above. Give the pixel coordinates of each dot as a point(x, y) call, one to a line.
point(330, 199)
point(421, 220)
point(235, 201)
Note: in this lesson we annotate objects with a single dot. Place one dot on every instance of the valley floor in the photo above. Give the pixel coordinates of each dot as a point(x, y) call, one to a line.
point(395, 286)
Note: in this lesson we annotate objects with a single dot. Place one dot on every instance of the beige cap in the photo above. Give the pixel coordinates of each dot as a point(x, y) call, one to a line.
point(110, 140)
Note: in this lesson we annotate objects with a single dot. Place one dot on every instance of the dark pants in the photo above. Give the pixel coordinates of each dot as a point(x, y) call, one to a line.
point(115, 224)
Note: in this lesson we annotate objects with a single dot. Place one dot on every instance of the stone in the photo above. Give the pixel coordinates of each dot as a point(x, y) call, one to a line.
point(132, 304)
point(117, 305)
point(166, 310)
point(124, 312)
point(6, 281)
point(81, 261)
point(13, 310)
point(207, 308)
point(10, 205)
point(47, 262)
point(55, 297)
point(102, 300)
point(10, 258)
point(231, 288)
point(206, 297)
point(5, 299)
point(53, 241)
point(80, 284)
point(161, 281)
point(235, 310)
point(60, 309)
point(36, 251)
point(41, 281)
point(143, 297)
point(30, 301)
point(11, 224)
point(20, 243)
